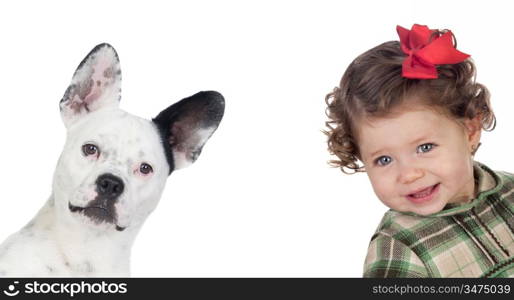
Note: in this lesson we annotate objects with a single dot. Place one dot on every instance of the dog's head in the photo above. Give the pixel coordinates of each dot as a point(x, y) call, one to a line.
point(114, 165)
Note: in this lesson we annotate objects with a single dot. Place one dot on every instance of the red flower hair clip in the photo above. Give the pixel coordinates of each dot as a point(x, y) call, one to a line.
point(427, 48)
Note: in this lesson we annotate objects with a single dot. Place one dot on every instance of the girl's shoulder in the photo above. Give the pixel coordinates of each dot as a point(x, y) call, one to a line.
point(399, 224)
point(506, 191)
point(507, 176)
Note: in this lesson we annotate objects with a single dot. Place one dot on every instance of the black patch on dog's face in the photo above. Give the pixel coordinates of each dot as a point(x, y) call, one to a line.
point(100, 210)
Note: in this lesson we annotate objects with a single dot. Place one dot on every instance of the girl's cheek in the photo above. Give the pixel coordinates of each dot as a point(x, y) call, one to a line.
point(378, 183)
point(383, 184)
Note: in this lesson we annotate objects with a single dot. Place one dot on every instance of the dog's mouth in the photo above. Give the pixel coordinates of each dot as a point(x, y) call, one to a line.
point(97, 213)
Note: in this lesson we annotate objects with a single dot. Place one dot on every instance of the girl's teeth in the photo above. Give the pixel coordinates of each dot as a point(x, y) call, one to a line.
point(423, 193)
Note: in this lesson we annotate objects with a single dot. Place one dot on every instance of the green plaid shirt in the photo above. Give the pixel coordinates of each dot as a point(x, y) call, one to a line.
point(469, 240)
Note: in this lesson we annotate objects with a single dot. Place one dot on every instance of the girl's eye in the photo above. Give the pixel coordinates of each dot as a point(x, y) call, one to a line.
point(383, 160)
point(90, 149)
point(425, 148)
point(145, 169)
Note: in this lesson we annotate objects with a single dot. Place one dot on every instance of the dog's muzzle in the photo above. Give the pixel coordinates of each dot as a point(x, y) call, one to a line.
point(101, 209)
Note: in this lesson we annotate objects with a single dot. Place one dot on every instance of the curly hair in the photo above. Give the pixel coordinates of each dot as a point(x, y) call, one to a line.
point(372, 86)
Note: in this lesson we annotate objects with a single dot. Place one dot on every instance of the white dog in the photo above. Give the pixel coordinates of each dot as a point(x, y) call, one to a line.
point(109, 177)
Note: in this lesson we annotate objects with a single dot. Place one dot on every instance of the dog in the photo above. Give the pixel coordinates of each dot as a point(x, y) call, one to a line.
point(109, 177)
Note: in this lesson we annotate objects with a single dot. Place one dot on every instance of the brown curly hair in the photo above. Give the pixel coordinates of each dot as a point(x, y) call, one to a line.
point(373, 85)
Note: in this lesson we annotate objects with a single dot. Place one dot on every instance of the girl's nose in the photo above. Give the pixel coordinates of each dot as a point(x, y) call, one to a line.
point(409, 174)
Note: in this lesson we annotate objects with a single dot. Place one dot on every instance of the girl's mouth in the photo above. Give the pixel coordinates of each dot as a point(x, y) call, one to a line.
point(423, 195)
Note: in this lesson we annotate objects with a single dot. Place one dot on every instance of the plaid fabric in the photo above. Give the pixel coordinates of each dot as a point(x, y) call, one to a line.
point(469, 240)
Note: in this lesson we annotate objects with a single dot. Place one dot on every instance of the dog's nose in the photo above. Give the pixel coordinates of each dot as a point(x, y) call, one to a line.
point(110, 186)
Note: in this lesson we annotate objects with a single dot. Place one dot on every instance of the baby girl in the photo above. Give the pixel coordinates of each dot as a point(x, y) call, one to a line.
point(410, 115)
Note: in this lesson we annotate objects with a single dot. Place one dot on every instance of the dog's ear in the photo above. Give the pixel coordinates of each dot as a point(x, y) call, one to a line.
point(186, 125)
point(96, 84)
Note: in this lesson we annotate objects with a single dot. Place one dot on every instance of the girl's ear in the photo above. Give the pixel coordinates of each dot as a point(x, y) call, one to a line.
point(473, 132)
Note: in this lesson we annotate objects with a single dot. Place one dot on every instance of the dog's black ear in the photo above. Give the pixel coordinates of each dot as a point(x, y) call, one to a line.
point(186, 125)
point(96, 84)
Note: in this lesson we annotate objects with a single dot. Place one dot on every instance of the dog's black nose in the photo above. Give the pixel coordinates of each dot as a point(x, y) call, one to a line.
point(109, 186)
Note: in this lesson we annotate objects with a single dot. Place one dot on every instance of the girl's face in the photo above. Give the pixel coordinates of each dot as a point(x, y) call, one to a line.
point(419, 160)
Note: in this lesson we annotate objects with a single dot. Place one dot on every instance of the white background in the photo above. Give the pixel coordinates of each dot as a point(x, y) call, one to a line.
point(261, 200)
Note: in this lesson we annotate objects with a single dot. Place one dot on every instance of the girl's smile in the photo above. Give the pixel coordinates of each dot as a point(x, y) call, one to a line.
point(424, 194)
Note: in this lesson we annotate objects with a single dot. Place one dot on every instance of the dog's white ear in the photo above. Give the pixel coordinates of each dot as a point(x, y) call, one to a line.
point(96, 84)
point(186, 125)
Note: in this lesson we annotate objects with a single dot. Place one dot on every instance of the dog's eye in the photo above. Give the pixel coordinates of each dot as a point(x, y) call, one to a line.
point(145, 169)
point(90, 149)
